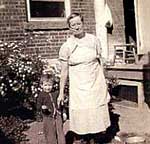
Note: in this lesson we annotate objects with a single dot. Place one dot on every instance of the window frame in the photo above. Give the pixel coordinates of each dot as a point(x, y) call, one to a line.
point(54, 19)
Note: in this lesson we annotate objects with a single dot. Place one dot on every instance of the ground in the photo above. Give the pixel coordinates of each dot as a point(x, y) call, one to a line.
point(35, 133)
point(128, 120)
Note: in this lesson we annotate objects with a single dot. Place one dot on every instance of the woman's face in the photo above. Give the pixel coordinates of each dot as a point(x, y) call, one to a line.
point(76, 26)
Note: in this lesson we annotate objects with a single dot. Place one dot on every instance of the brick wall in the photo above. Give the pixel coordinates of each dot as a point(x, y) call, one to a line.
point(86, 7)
point(13, 17)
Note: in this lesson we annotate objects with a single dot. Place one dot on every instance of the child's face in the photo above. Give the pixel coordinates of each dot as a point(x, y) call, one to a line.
point(47, 86)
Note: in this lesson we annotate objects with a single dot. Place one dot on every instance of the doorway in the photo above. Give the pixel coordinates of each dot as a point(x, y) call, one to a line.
point(129, 18)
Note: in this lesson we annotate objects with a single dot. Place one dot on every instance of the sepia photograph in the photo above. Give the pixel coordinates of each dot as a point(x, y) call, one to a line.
point(74, 72)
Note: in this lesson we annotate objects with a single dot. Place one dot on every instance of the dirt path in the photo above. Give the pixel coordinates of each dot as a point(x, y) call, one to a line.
point(131, 121)
point(35, 134)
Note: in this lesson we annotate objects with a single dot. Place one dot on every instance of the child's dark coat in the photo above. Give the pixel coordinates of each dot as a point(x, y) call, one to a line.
point(52, 126)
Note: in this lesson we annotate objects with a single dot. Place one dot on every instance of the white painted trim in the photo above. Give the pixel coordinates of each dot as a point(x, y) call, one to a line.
point(137, 25)
point(140, 90)
point(67, 11)
point(28, 10)
point(48, 19)
point(67, 7)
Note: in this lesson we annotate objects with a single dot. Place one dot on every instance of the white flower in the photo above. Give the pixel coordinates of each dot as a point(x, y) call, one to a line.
point(40, 89)
point(44, 107)
point(1, 77)
point(10, 60)
point(5, 44)
point(17, 64)
point(15, 81)
point(2, 93)
point(23, 55)
point(1, 45)
point(15, 46)
point(20, 69)
point(32, 87)
point(25, 33)
point(11, 44)
point(22, 66)
point(2, 49)
point(32, 72)
point(35, 89)
point(2, 84)
point(36, 95)
point(11, 85)
point(10, 81)
point(29, 62)
point(28, 71)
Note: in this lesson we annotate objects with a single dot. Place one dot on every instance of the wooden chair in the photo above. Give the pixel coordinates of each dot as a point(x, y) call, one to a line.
point(124, 53)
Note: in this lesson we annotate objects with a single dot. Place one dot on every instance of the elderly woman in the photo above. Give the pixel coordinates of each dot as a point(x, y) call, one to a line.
point(88, 96)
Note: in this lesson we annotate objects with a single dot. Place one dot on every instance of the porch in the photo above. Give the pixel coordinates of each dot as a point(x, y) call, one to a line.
point(133, 82)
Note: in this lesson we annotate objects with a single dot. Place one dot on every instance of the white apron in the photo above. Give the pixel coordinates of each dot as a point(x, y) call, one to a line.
point(88, 110)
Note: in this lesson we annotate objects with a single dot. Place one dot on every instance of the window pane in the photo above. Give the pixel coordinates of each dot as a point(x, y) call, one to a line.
point(47, 9)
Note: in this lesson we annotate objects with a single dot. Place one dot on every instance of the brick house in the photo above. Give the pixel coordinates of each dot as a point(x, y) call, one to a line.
point(47, 18)
point(17, 18)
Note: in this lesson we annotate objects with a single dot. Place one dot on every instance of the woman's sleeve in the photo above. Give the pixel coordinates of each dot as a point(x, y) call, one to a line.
point(64, 52)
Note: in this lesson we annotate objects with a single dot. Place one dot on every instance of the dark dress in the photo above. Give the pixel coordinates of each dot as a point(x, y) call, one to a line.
point(52, 126)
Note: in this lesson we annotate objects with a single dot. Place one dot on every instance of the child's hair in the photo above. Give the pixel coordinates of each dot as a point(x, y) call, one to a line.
point(46, 78)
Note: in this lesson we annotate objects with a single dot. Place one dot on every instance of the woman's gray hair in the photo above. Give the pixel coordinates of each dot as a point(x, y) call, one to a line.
point(72, 15)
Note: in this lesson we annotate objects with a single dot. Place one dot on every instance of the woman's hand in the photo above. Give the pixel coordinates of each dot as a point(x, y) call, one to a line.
point(63, 78)
point(60, 100)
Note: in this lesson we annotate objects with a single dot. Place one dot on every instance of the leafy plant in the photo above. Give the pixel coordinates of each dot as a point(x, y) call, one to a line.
point(12, 130)
point(19, 73)
point(19, 86)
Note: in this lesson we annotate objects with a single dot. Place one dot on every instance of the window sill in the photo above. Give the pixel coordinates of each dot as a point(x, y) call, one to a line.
point(45, 25)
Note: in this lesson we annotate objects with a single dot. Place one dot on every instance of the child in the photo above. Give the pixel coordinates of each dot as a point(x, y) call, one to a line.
point(52, 122)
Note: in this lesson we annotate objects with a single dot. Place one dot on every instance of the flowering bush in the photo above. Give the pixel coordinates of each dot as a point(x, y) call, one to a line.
point(19, 73)
point(19, 85)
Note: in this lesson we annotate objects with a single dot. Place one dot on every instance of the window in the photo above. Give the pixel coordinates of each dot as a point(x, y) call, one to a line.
point(48, 10)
